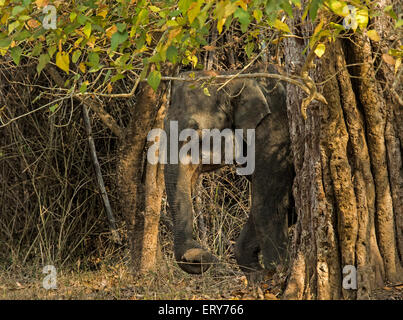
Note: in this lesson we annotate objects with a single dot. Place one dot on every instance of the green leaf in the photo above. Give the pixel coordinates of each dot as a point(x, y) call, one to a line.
point(16, 10)
point(117, 39)
point(117, 77)
point(76, 56)
point(93, 59)
point(154, 79)
point(172, 54)
point(83, 87)
point(313, 8)
point(5, 43)
point(43, 61)
point(37, 49)
point(12, 26)
point(281, 26)
point(22, 35)
point(183, 5)
point(258, 14)
point(53, 108)
point(121, 27)
point(16, 54)
point(243, 17)
point(52, 50)
point(249, 48)
point(285, 5)
point(390, 12)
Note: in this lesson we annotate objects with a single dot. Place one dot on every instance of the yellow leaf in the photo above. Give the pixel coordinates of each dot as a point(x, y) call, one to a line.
point(220, 24)
point(91, 41)
point(243, 4)
point(87, 29)
point(154, 8)
point(109, 88)
point(4, 18)
point(82, 67)
point(373, 35)
point(110, 31)
point(77, 42)
point(281, 26)
point(362, 18)
point(193, 11)
point(397, 65)
point(63, 61)
point(339, 7)
point(318, 27)
point(148, 38)
point(102, 13)
point(320, 50)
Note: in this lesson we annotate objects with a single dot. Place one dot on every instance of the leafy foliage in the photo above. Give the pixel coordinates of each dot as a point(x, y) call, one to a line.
point(117, 37)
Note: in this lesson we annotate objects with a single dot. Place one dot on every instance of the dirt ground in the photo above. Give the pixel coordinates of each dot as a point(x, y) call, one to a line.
point(116, 282)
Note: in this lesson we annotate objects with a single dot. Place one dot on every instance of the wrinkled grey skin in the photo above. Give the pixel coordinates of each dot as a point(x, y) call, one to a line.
point(245, 104)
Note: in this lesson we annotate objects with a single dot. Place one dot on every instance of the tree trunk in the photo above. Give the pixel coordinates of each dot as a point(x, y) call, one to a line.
point(154, 188)
point(141, 184)
point(348, 185)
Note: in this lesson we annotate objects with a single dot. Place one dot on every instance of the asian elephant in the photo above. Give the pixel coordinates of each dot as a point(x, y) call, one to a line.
point(244, 103)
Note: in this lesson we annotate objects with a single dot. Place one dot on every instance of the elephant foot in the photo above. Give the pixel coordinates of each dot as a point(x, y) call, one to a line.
point(196, 261)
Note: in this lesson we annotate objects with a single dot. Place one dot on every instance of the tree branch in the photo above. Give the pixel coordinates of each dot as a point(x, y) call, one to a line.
point(105, 117)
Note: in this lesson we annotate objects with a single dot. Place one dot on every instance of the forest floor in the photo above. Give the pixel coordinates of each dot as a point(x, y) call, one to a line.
point(116, 282)
point(169, 283)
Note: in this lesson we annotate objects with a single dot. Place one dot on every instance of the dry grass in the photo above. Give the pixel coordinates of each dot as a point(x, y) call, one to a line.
point(51, 211)
point(113, 280)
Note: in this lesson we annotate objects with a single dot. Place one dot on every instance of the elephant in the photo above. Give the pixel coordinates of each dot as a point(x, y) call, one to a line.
point(243, 103)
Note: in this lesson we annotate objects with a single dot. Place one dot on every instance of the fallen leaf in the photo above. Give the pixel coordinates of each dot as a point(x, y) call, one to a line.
point(209, 48)
point(388, 59)
point(270, 296)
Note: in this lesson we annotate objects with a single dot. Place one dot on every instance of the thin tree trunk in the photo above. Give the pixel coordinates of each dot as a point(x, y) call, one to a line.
point(154, 188)
point(131, 168)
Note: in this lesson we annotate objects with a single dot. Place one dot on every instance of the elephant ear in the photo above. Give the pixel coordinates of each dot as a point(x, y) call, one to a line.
point(249, 105)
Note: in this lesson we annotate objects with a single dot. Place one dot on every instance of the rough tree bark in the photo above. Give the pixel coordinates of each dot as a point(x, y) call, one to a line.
point(141, 184)
point(348, 185)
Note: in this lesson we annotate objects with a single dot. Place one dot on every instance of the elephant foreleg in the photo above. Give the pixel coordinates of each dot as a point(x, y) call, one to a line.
point(190, 256)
